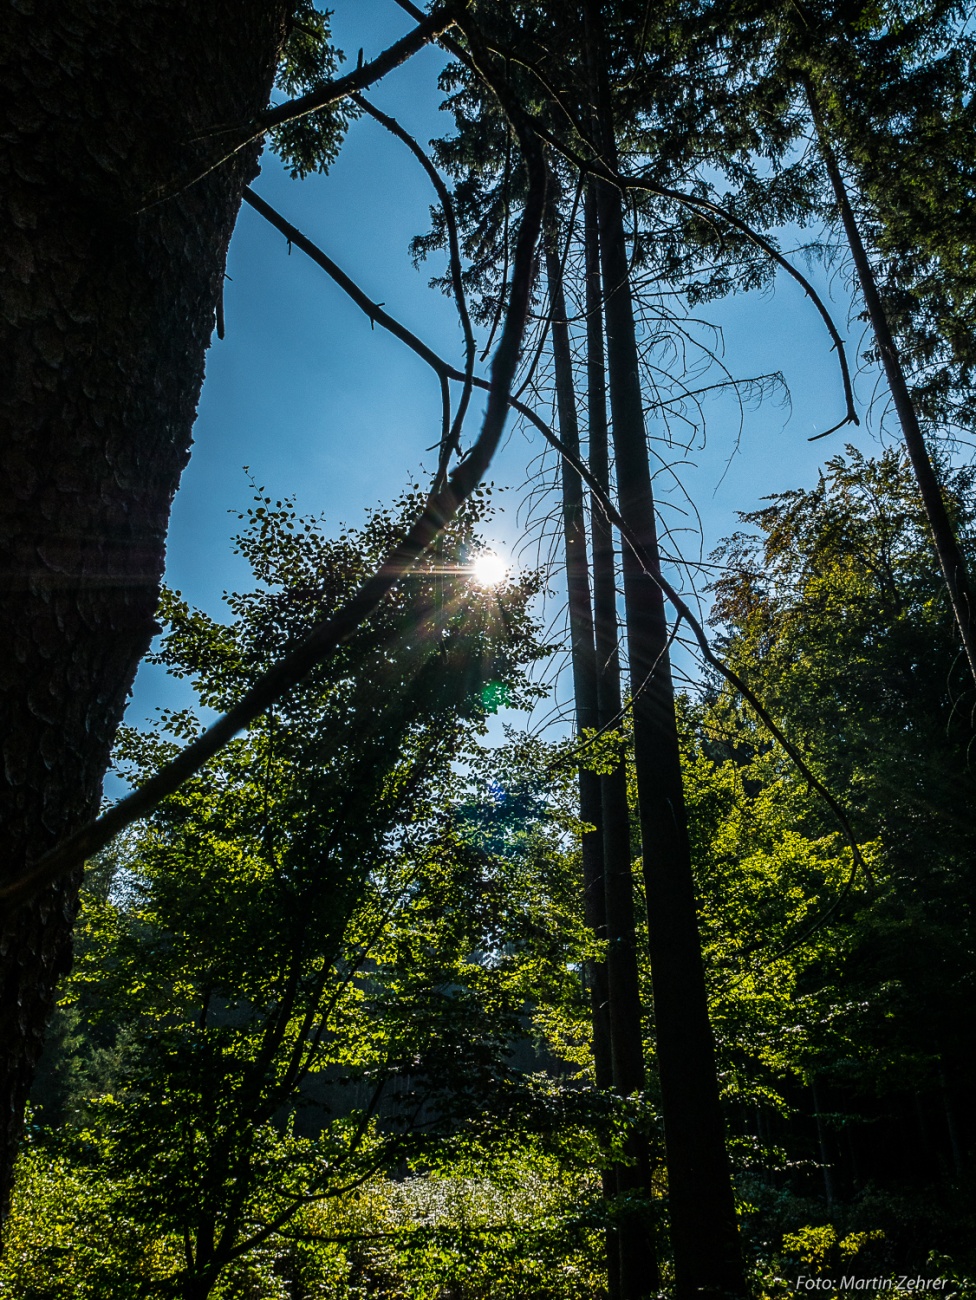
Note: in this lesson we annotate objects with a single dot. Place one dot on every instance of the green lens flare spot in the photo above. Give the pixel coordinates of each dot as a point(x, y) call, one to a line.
point(495, 696)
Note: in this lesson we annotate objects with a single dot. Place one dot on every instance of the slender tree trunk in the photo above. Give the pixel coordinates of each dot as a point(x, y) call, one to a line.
point(105, 316)
point(951, 560)
point(639, 1265)
point(585, 697)
point(704, 1236)
point(952, 1128)
point(198, 1288)
point(622, 952)
point(583, 663)
point(826, 1167)
point(633, 1253)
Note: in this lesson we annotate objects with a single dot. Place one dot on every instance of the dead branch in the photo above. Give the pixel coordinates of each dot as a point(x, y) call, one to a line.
point(451, 441)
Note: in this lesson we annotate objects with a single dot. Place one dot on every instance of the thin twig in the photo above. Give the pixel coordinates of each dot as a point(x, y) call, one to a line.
point(451, 440)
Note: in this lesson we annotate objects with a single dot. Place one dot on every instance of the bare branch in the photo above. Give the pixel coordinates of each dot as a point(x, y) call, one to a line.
point(429, 28)
point(596, 165)
point(373, 310)
point(451, 439)
point(599, 169)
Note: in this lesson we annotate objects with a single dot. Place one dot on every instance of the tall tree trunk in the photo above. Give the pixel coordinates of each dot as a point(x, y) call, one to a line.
point(585, 698)
point(704, 1236)
point(583, 663)
point(639, 1265)
point(619, 1045)
point(951, 560)
point(106, 314)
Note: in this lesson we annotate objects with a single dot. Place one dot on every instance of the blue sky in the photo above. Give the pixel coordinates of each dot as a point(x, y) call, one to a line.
point(339, 416)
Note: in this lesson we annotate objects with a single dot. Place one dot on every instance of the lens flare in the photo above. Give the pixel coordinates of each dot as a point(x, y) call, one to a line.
point(489, 569)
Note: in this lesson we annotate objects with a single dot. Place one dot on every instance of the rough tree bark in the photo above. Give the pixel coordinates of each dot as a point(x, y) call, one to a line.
point(106, 312)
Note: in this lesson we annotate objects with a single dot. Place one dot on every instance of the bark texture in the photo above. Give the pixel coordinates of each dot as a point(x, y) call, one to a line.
point(106, 311)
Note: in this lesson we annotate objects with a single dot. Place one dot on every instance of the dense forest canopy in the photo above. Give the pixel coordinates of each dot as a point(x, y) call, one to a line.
point(369, 996)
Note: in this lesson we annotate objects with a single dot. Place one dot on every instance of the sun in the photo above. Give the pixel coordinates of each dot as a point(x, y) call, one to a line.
point(489, 569)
